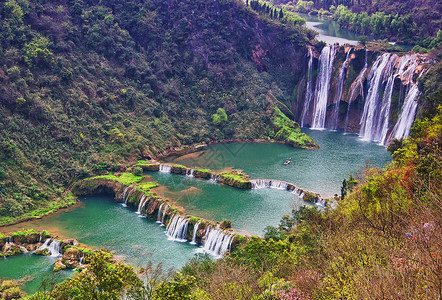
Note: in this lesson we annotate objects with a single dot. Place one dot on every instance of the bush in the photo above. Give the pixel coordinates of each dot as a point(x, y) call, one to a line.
point(137, 171)
point(225, 224)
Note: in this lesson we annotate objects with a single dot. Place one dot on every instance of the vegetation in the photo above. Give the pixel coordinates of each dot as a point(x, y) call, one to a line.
point(147, 186)
point(289, 131)
point(86, 87)
point(125, 178)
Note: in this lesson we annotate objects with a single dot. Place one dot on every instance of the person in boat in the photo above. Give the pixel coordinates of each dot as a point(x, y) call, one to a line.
point(288, 161)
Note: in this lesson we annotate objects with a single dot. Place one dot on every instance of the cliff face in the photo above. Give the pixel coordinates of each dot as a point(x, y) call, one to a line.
point(371, 93)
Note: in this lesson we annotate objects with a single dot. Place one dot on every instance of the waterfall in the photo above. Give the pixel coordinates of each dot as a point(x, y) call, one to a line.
point(370, 116)
point(189, 172)
point(164, 215)
point(195, 230)
point(44, 246)
point(358, 84)
point(159, 214)
point(54, 248)
point(217, 242)
point(165, 168)
point(39, 238)
point(340, 87)
point(124, 196)
point(265, 183)
point(323, 86)
point(308, 90)
point(81, 259)
point(23, 249)
point(9, 240)
point(214, 178)
point(177, 229)
point(406, 118)
point(143, 199)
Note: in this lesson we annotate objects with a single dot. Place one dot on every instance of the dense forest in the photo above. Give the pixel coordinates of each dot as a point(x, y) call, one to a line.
point(86, 86)
point(90, 87)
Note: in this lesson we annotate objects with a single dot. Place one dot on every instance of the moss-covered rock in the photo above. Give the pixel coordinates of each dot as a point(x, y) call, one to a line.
point(179, 169)
point(235, 178)
point(202, 173)
point(9, 290)
point(149, 167)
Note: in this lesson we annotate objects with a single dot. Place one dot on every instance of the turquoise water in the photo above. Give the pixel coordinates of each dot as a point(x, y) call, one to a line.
point(321, 170)
point(32, 270)
point(102, 223)
point(249, 210)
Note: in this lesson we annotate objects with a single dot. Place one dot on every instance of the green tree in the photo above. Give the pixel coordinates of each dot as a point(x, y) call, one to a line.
point(177, 289)
point(100, 280)
point(37, 52)
point(220, 117)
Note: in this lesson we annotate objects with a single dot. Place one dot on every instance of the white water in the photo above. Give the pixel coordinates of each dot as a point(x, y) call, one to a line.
point(406, 118)
point(216, 242)
point(164, 215)
point(323, 86)
point(195, 230)
point(265, 183)
point(371, 107)
point(54, 248)
point(81, 259)
point(45, 245)
point(23, 249)
point(214, 178)
point(165, 168)
point(340, 87)
point(177, 229)
point(189, 172)
point(308, 90)
point(143, 199)
point(124, 196)
point(159, 213)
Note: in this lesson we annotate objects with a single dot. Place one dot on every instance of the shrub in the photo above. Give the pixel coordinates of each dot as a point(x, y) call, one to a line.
point(226, 224)
point(137, 171)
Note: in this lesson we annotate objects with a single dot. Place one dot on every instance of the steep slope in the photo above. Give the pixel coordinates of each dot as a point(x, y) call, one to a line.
point(85, 86)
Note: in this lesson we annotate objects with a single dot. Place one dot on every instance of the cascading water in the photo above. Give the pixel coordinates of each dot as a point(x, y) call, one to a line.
point(165, 168)
point(189, 172)
point(265, 183)
point(340, 87)
point(141, 203)
point(217, 242)
point(54, 248)
point(128, 196)
point(213, 178)
point(323, 86)
point(308, 90)
point(159, 214)
point(195, 230)
point(177, 229)
point(81, 259)
point(164, 215)
point(124, 195)
point(406, 118)
point(370, 116)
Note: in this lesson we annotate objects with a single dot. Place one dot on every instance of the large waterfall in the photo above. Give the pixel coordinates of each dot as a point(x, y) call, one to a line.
point(323, 86)
point(340, 87)
point(403, 125)
point(308, 90)
point(165, 168)
point(381, 91)
point(265, 183)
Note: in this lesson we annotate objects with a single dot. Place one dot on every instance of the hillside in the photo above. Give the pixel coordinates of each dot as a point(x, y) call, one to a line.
point(86, 87)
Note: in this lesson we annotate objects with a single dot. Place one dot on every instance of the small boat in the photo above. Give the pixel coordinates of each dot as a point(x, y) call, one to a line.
point(287, 162)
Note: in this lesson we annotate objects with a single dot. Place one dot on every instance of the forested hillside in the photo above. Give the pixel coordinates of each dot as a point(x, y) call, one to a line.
point(87, 85)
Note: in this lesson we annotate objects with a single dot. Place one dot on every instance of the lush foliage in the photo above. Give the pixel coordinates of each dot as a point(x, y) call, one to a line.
point(86, 87)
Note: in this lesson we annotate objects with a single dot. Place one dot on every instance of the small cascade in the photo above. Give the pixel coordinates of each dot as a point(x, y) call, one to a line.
point(217, 242)
point(45, 245)
point(371, 114)
point(357, 85)
point(23, 249)
point(177, 229)
point(323, 86)
point(340, 87)
point(9, 240)
point(54, 248)
point(214, 178)
point(39, 238)
point(265, 183)
point(124, 195)
point(406, 118)
point(159, 214)
point(164, 215)
point(81, 259)
point(320, 202)
point(165, 168)
point(308, 90)
point(189, 172)
point(143, 199)
point(195, 230)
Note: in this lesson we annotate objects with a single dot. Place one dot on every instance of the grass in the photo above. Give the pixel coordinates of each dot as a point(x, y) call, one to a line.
point(203, 170)
point(147, 186)
point(238, 176)
point(144, 163)
point(125, 178)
